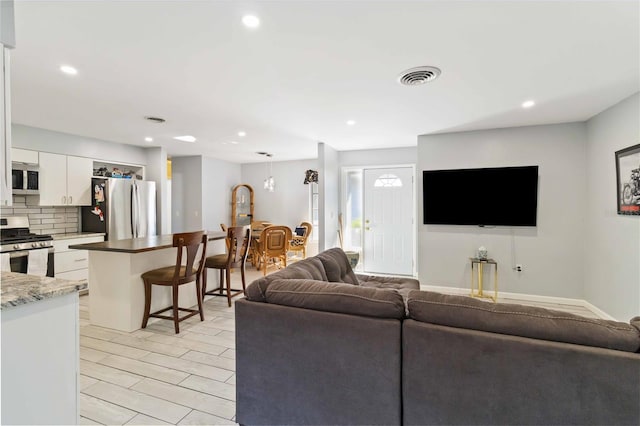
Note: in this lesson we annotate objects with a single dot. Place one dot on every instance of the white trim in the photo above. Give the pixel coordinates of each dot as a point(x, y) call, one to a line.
point(597, 311)
point(527, 297)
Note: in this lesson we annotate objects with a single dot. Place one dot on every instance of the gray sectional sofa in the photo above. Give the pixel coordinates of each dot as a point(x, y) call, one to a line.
point(318, 344)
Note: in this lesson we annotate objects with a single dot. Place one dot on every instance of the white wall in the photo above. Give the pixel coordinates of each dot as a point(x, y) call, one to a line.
point(218, 179)
point(37, 139)
point(378, 157)
point(552, 253)
point(156, 171)
point(612, 249)
point(329, 194)
point(186, 194)
point(289, 203)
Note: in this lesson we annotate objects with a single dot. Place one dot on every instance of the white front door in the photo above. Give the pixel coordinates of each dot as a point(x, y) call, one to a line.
point(388, 221)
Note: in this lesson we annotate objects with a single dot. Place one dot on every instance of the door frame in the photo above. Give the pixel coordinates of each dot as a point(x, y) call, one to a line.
point(343, 204)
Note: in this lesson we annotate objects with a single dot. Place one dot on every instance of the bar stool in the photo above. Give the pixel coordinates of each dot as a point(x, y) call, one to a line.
point(176, 276)
point(238, 241)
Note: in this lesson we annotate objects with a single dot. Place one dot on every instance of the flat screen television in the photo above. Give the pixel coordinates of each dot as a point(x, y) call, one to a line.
point(504, 196)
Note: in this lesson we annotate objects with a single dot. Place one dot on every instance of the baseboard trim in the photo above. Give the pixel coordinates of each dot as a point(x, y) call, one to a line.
point(598, 311)
point(522, 296)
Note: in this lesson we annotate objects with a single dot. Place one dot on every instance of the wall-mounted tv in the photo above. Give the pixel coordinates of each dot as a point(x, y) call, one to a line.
point(504, 196)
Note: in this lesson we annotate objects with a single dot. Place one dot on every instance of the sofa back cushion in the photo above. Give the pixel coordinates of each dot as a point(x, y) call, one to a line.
point(310, 268)
point(519, 320)
point(336, 297)
point(337, 266)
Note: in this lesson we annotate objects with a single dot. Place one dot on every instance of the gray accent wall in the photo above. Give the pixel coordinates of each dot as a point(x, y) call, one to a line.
point(553, 252)
point(218, 179)
point(612, 244)
point(201, 193)
point(186, 194)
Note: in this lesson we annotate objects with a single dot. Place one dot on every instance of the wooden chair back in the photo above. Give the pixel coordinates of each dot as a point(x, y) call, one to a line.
point(189, 242)
point(238, 240)
point(309, 228)
point(275, 240)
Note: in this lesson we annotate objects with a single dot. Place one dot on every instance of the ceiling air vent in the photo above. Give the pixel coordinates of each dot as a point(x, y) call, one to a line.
point(418, 75)
point(155, 119)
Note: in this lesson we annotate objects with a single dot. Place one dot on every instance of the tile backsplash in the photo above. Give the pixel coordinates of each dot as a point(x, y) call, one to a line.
point(43, 219)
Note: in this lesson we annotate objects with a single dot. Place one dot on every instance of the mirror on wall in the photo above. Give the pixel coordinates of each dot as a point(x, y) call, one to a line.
point(242, 205)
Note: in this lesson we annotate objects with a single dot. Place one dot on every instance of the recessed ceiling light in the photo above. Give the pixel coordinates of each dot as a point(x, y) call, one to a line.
point(185, 138)
point(234, 142)
point(148, 139)
point(351, 122)
point(242, 134)
point(251, 21)
point(68, 70)
point(528, 104)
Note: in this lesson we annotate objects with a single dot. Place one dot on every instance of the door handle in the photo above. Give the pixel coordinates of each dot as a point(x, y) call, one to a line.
point(70, 199)
point(64, 199)
point(367, 228)
point(366, 221)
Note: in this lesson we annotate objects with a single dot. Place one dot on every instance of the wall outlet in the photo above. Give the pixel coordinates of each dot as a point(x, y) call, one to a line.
point(519, 267)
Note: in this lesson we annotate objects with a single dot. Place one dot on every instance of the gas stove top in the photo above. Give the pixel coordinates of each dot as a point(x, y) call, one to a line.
point(15, 236)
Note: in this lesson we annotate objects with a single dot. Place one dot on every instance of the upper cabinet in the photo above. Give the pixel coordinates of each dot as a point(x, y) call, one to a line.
point(24, 156)
point(65, 180)
point(5, 128)
point(7, 24)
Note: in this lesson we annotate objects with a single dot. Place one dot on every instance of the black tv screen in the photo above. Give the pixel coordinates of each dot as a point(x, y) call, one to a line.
point(506, 196)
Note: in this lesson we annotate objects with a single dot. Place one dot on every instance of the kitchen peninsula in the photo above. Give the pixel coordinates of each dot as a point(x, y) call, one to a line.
point(40, 351)
point(116, 292)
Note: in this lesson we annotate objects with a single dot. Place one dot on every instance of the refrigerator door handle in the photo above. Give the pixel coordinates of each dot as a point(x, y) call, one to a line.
point(133, 212)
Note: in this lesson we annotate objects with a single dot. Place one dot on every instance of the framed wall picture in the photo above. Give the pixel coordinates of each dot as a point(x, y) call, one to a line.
point(628, 180)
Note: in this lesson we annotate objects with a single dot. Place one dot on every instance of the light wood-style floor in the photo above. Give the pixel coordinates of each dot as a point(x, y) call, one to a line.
point(154, 376)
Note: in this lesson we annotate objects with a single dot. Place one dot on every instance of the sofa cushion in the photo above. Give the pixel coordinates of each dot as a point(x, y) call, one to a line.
point(336, 297)
point(519, 320)
point(403, 285)
point(310, 268)
point(337, 266)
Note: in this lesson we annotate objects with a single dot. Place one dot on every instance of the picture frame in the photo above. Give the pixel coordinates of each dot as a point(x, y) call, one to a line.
point(628, 180)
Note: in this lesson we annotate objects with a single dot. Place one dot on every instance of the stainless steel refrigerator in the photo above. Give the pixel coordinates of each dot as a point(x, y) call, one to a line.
point(121, 208)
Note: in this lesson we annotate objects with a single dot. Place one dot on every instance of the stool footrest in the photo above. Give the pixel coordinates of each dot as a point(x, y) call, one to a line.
point(156, 314)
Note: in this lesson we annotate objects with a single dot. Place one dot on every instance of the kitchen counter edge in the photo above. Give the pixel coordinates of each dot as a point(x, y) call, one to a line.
point(139, 245)
point(77, 235)
point(20, 289)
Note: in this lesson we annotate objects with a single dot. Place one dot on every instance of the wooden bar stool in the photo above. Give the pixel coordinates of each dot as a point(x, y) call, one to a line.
point(238, 241)
point(176, 276)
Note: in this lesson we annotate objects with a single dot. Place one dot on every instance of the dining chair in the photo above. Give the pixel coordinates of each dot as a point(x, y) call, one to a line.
point(299, 243)
point(177, 275)
point(238, 241)
point(273, 245)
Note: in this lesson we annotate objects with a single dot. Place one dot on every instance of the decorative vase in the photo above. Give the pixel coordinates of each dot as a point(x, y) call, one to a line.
point(482, 253)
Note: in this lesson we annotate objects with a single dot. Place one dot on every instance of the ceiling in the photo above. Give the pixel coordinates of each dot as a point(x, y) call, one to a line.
point(313, 65)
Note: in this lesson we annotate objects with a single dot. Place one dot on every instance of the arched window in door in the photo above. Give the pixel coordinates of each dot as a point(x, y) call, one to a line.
point(387, 180)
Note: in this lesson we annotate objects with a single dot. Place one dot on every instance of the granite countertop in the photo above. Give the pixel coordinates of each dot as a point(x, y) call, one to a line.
point(20, 289)
point(78, 235)
point(140, 245)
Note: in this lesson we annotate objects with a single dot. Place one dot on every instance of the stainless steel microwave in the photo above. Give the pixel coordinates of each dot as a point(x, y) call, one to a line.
point(25, 179)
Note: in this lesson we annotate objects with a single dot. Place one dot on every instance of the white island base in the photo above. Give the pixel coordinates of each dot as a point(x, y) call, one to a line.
point(116, 290)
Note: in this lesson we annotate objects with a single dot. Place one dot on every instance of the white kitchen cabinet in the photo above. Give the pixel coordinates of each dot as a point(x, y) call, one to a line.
point(65, 180)
point(24, 156)
point(5, 128)
point(72, 264)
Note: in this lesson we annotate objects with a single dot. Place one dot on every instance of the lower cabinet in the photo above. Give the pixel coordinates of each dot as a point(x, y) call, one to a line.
point(72, 264)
